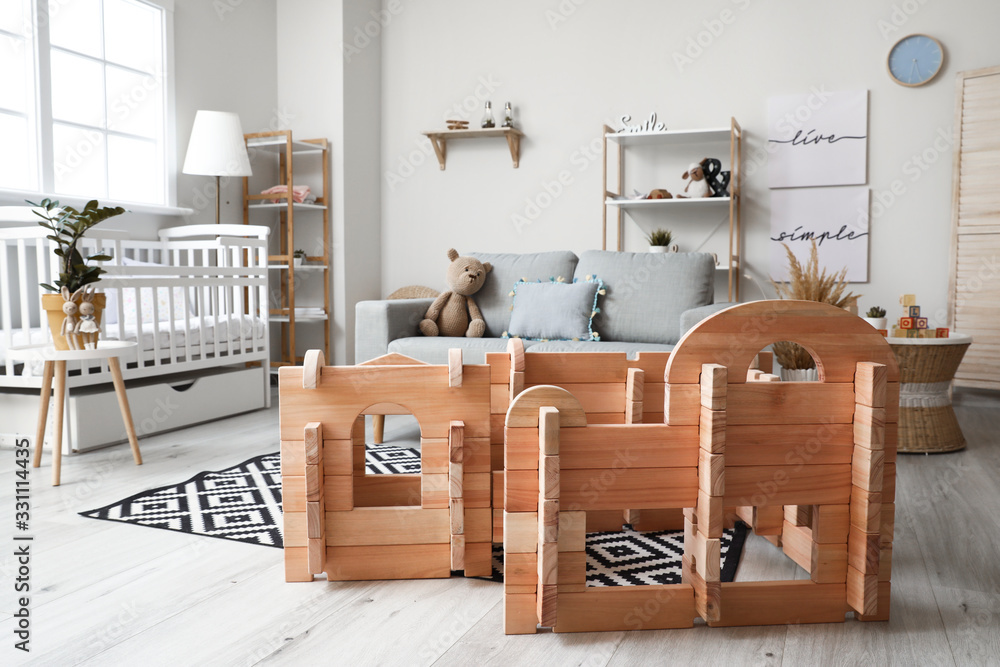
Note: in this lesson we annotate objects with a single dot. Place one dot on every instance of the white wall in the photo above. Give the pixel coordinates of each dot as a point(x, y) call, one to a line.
point(569, 66)
point(333, 95)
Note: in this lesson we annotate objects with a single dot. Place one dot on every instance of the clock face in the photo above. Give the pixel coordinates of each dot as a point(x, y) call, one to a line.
point(915, 60)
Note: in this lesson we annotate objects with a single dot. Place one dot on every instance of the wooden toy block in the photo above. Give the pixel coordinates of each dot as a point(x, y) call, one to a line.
point(681, 404)
point(908, 300)
point(869, 427)
point(476, 489)
point(478, 525)
point(458, 552)
point(799, 485)
point(635, 385)
point(912, 333)
point(548, 522)
point(714, 382)
point(766, 520)
point(572, 531)
point(889, 483)
point(796, 543)
point(520, 492)
point(913, 311)
point(530, 400)
point(455, 368)
point(789, 402)
point(637, 488)
point(548, 431)
point(312, 367)
point(381, 490)
point(753, 375)
point(625, 608)
point(520, 569)
point(928, 333)
point(666, 519)
point(780, 603)
point(798, 515)
point(546, 605)
point(898, 333)
point(520, 532)
point(863, 551)
point(295, 530)
point(520, 616)
point(885, 563)
point(761, 444)
point(516, 383)
point(316, 555)
point(395, 561)
point(631, 517)
point(312, 436)
point(572, 572)
point(709, 514)
point(515, 350)
point(712, 473)
point(712, 430)
point(828, 563)
point(434, 490)
point(456, 513)
point(769, 377)
point(498, 526)
point(548, 559)
point(882, 612)
point(293, 458)
point(478, 559)
point(941, 332)
point(455, 480)
point(520, 451)
point(867, 468)
point(297, 564)
point(499, 398)
point(883, 332)
point(862, 591)
point(920, 323)
point(397, 525)
point(870, 384)
point(831, 523)
point(636, 446)
point(907, 323)
point(706, 552)
point(339, 458)
point(764, 361)
point(315, 520)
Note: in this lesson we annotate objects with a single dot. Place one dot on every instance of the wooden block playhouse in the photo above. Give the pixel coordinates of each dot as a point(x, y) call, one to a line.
point(536, 450)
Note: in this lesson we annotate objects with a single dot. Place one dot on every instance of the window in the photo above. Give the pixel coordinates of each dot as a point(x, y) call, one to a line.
point(83, 98)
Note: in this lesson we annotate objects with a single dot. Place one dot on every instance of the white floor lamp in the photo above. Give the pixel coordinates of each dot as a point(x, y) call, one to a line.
point(217, 148)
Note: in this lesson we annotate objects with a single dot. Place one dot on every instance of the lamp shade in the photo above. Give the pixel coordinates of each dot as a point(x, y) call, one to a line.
point(216, 147)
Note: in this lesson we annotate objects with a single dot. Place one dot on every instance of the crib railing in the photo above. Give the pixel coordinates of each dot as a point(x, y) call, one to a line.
point(208, 278)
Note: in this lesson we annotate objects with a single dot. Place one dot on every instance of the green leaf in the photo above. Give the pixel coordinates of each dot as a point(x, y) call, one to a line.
point(100, 258)
point(49, 287)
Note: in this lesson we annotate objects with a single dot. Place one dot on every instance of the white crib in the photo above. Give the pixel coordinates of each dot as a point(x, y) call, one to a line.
point(195, 301)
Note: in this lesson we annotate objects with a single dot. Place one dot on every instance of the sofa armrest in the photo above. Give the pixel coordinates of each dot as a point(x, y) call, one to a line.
point(378, 323)
point(691, 317)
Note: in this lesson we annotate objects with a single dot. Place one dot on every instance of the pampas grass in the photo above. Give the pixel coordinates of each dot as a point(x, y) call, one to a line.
point(808, 283)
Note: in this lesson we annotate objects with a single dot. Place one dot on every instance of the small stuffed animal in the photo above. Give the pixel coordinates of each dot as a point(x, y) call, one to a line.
point(87, 327)
point(69, 322)
point(697, 186)
point(455, 313)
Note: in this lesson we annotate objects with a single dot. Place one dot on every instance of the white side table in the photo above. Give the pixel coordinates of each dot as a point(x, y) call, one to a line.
point(55, 366)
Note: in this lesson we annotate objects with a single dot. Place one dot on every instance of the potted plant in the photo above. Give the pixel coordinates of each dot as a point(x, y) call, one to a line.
point(68, 227)
point(807, 283)
point(298, 257)
point(659, 240)
point(876, 317)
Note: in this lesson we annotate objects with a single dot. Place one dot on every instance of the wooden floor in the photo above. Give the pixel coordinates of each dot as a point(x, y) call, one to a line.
point(113, 594)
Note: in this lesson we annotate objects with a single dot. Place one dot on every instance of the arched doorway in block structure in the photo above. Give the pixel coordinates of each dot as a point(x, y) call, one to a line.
point(359, 526)
point(799, 461)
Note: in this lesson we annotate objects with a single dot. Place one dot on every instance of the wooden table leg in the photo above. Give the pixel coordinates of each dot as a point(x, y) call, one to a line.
point(60, 388)
point(43, 412)
point(116, 376)
point(378, 427)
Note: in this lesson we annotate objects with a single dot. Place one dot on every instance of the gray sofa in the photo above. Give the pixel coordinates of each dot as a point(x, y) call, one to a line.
point(651, 299)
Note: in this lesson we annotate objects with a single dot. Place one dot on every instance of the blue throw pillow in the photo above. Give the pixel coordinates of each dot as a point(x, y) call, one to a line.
point(555, 310)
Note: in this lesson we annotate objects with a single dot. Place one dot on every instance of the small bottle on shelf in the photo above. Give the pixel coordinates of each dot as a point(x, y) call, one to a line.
point(508, 117)
point(488, 116)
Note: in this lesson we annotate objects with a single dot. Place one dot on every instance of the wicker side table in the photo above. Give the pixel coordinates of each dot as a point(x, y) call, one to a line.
point(927, 366)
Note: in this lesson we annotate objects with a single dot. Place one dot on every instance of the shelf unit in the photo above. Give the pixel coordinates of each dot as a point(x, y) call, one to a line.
point(439, 139)
point(614, 200)
point(281, 146)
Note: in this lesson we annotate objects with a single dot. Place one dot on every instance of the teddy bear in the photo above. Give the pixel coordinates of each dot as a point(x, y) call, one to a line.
point(455, 313)
point(697, 186)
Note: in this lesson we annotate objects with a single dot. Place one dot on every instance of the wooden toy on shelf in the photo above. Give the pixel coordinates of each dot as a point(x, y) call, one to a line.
point(535, 450)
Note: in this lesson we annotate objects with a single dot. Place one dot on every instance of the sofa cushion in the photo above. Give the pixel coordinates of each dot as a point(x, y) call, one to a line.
point(553, 310)
point(647, 292)
point(494, 298)
point(629, 349)
point(434, 349)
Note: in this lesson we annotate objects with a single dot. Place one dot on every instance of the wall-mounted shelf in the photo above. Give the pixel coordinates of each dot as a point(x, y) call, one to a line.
point(439, 139)
point(676, 201)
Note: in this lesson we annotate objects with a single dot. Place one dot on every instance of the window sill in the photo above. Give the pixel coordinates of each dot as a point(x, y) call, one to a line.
point(18, 197)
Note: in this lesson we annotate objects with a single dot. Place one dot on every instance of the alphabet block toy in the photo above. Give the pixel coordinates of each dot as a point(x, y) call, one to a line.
point(697, 449)
point(914, 311)
point(941, 332)
point(921, 323)
point(908, 300)
point(906, 323)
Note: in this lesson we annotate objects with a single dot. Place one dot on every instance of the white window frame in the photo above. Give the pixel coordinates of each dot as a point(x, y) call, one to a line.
point(44, 122)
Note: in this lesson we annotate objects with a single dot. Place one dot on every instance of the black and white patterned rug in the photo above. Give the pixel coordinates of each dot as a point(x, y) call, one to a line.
point(243, 503)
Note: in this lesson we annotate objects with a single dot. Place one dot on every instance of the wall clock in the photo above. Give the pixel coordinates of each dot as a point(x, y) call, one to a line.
point(915, 60)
